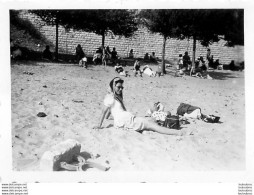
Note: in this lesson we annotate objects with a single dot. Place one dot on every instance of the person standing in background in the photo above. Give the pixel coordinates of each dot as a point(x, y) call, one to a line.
point(79, 53)
point(114, 56)
point(208, 57)
point(186, 61)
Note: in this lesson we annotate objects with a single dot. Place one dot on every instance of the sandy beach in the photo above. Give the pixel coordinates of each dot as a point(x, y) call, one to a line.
point(72, 99)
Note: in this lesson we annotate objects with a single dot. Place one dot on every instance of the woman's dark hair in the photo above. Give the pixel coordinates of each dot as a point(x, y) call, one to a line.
point(118, 97)
point(112, 81)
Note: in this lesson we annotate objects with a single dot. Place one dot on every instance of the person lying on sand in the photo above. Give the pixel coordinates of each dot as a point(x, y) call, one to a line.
point(163, 118)
point(199, 69)
point(147, 70)
point(189, 111)
point(120, 70)
point(179, 73)
point(157, 112)
point(124, 119)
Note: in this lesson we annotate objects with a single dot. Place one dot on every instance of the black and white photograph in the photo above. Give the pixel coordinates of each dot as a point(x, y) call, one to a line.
point(127, 90)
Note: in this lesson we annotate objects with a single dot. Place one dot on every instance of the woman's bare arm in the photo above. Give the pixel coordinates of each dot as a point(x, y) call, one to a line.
point(108, 114)
point(104, 112)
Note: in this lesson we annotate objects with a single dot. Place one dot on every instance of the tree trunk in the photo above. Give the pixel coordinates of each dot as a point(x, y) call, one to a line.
point(163, 55)
point(103, 39)
point(194, 50)
point(56, 51)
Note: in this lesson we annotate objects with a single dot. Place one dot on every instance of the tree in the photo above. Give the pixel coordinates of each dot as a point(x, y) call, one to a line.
point(23, 32)
point(24, 24)
point(120, 22)
point(52, 17)
point(199, 25)
point(211, 25)
point(164, 22)
point(233, 26)
point(101, 22)
point(203, 25)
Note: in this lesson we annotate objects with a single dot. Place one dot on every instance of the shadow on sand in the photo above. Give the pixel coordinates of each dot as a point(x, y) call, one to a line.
point(224, 75)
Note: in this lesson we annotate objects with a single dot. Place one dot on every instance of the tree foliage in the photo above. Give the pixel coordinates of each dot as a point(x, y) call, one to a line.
point(24, 25)
point(203, 25)
point(49, 16)
point(164, 22)
point(233, 23)
point(119, 22)
point(210, 25)
point(52, 17)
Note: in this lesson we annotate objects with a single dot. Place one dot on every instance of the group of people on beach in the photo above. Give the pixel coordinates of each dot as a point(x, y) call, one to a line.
point(102, 55)
point(159, 120)
point(198, 68)
point(137, 70)
point(114, 105)
point(147, 57)
point(150, 58)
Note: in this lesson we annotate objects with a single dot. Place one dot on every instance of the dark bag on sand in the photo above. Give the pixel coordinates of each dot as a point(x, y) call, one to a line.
point(172, 122)
point(211, 119)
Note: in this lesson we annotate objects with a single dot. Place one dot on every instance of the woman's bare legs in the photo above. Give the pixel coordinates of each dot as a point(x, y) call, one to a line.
point(153, 126)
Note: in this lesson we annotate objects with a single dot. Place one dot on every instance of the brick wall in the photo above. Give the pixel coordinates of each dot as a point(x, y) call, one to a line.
point(142, 42)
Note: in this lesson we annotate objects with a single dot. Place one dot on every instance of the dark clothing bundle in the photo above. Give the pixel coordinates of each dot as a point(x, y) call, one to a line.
point(186, 108)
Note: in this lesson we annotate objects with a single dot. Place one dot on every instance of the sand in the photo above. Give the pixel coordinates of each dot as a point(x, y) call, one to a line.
point(72, 97)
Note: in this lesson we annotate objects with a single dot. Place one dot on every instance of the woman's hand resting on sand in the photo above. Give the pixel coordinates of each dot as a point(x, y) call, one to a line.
point(97, 127)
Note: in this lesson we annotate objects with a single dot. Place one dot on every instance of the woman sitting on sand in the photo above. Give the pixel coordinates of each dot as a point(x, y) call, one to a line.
point(79, 53)
point(113, 102)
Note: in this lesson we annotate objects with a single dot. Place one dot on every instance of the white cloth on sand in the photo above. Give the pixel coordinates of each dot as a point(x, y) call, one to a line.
point(149, 71)
point(196, 114)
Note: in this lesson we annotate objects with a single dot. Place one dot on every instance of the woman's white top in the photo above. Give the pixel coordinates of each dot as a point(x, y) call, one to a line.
point(121, 117)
